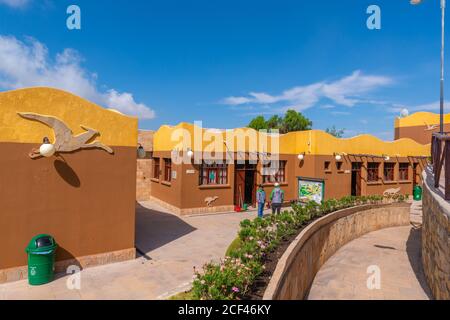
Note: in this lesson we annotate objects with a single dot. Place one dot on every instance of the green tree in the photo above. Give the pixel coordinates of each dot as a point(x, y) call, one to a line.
point(295, 121)
point(258, 123)
point(275, 122)
point(335, 132)
point(292, 121)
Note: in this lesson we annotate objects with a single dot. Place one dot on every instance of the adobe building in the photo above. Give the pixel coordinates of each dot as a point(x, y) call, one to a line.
point(312, 165)
point(83, 195)
point(420, 126)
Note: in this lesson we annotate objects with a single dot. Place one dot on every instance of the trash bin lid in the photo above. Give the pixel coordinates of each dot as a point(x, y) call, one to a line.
point(41, 243)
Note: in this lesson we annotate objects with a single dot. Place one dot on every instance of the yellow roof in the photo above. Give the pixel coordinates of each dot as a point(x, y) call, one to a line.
point(314, 142)
point(115, 128)
point(420, 119)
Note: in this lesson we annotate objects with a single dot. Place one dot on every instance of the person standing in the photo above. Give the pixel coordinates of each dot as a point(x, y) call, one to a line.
point(261, 200)
point(277, 199)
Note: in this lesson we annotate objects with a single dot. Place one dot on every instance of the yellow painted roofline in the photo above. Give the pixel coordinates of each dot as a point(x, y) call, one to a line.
point(116, 129)
point(420, 119)
point(313, 142)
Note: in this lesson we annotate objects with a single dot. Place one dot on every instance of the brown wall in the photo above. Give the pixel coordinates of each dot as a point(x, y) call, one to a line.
point(184, 192)
point(418, 133)
point(86, 200)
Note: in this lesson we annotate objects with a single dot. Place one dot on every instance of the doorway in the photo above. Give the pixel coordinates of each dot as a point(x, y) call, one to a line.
point(416, 174)
point(245, 184)
point(356, 179)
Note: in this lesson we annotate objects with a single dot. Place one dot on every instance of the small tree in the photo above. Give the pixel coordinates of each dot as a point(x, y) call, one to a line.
point(275, 122)
point(258, 123)
point(335, 132)
point(295, 121)
point(292, 121)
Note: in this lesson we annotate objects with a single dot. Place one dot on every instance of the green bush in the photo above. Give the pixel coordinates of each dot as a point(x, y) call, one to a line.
point(232, 277)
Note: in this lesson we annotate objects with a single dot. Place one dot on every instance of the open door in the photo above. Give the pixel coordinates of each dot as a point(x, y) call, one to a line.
point(245, 184)
point(356, 178)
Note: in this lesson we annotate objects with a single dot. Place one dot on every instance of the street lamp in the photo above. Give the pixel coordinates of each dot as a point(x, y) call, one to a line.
point(441, 124)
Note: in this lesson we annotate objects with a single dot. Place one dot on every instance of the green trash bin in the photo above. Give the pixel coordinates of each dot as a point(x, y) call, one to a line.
point(41, 259)
point(417, 193)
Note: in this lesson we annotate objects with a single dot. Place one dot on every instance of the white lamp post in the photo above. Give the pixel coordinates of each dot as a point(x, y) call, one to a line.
point(441, 123)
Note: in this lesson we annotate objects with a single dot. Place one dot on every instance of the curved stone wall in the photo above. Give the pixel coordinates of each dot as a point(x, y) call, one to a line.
point(302, 260)
point(436, 239)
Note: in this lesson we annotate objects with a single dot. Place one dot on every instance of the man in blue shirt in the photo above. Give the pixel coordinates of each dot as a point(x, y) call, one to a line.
point(261, 200)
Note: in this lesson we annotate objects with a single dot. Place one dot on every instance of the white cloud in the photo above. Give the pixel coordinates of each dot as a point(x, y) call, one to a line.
point(28, 64)
point(432, 107)
point(15, 3)
point(347, 91)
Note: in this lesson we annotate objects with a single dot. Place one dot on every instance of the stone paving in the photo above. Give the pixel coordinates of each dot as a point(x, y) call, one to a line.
point(397, 253)
point(171, 245)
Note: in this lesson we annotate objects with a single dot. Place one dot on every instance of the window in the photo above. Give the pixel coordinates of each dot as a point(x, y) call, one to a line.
point(389, 171)
point(339, 166)
point(326, 165)
point(167, 170)
point(213, 174)
point(270, 176)
point(403, 171)
point(156, 168)
point(372, 171)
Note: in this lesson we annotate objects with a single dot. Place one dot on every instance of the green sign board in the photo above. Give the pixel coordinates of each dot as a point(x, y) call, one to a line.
point(310, 190)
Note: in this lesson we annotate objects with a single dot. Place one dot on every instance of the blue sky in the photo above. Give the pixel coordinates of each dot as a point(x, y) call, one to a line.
point(223, 62)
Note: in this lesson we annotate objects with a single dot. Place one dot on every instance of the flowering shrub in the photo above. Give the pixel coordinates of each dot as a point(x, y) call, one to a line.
point(232, 277)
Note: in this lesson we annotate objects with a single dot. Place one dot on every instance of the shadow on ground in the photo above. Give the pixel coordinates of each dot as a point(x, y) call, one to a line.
point(154, 229)
point(414, 251)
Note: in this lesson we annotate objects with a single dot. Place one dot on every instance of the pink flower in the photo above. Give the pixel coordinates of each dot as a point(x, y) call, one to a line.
point(235, 289)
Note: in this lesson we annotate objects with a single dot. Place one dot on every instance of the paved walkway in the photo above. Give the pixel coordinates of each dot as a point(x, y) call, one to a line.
point(172, 247)
point(396, 251)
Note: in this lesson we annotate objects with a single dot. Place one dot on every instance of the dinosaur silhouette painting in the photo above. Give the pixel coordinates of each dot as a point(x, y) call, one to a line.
point(431, 127)
point(65, 141)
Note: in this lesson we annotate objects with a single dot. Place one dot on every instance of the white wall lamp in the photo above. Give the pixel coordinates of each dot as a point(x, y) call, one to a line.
point(386, 157)
point(47, 149)
point(338, 156)
point(141, 152)
point(190, 153)
point(301, 156)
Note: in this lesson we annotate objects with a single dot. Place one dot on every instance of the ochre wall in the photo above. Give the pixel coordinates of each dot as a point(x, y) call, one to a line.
point(312, 142)
point(416, 126)
point(185, 193)
point(85, 199)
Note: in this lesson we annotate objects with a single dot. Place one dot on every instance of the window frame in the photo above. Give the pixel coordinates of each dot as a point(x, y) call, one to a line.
point(390, 166)
point(402, 171)
point(221, 174)
point(370, 178)
point(167, 170)
point(156, 168)
point(281, 173)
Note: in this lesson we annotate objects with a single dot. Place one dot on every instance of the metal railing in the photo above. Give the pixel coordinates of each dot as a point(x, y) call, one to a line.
point(440, 159)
